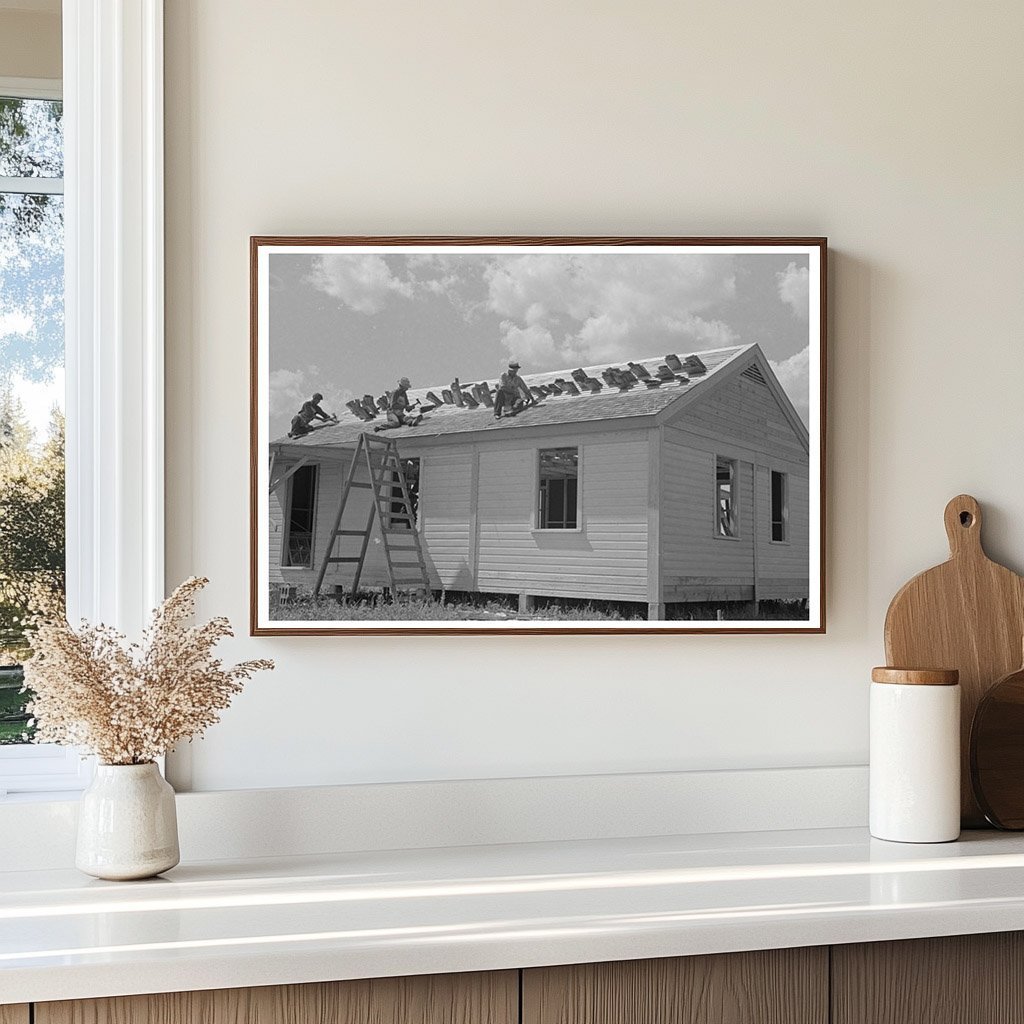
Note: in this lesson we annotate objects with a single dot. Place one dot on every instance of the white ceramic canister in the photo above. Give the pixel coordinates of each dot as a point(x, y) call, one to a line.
point(915, 755)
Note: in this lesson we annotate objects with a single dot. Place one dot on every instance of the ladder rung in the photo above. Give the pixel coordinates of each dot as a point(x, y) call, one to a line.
point(402, 530)
point(413, 583)
point(364, 486)
point(407, 565)
point(349, 533)
point(344, 559)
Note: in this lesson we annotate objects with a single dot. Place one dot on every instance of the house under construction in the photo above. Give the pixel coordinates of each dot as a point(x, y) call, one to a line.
point(668, 479)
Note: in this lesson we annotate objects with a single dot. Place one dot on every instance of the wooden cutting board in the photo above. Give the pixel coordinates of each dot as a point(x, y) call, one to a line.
point(967, 614)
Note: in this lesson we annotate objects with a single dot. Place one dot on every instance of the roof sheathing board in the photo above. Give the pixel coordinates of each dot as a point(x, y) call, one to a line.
point(607, 404)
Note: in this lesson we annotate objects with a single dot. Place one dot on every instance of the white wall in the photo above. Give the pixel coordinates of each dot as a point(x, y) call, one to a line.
point(29, 42)
point(894, 129)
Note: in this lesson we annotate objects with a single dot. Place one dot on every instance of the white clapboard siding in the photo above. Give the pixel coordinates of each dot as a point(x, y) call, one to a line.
point(605, 558)
point(692, 552)
point(445, 514)
point(746, 414)
point(275, 527)
point(741, 420)
point(783, 566)
point(330, 481)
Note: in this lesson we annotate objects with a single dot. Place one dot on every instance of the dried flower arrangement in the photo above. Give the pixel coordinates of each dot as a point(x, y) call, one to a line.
point(130, 703)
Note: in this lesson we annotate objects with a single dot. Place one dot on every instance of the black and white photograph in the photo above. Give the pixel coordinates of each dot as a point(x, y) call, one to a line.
point(536, 435)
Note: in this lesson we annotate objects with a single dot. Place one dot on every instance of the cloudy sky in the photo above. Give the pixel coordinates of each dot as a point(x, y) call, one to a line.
point(32, 263)
point(352, 324)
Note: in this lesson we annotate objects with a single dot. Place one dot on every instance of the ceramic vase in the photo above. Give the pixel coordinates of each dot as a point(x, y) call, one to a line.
point(127, 825)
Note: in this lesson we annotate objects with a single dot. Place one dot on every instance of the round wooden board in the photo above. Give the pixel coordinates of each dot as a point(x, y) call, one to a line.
point(997, 752)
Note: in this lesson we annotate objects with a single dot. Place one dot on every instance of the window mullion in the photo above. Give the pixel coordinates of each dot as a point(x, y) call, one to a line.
point(32, 186)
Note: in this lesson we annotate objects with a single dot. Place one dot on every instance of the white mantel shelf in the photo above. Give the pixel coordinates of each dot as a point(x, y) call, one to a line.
point(225, 924)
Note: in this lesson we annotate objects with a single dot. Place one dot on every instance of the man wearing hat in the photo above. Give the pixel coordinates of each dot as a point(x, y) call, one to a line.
point(310, 411)
point(512, 392)
point(399, 406)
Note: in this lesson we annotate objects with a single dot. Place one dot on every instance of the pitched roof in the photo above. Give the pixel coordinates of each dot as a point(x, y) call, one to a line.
point(605, 404)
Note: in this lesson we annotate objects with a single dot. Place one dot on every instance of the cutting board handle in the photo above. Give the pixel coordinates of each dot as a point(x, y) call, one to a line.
point(963, 526)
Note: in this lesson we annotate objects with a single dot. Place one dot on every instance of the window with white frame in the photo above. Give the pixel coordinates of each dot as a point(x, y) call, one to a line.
point(301, 518)
point(113, 277)
point(558, 491)
point(32, 533)
point(726, 512)
point(780, 506)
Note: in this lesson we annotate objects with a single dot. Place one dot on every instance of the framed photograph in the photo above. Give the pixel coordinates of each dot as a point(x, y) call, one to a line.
point(537, 435)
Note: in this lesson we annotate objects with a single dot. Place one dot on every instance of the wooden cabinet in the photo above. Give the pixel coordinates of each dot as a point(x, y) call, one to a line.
point(779, 986)
point(491, 998)
point(963, 979)
point(972, 979)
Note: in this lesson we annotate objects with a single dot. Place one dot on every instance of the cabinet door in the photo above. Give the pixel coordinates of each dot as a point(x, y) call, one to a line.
point(963, 979)
point(491, 998)
point(14, 1014)
point(780, 986)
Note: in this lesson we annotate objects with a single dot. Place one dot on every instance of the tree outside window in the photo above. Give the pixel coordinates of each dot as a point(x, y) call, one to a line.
point(31, 385)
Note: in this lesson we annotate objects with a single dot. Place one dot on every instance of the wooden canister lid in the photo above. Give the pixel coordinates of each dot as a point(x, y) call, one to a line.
point(916, 676)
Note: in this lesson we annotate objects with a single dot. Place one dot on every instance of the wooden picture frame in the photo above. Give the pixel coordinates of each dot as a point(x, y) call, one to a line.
point(620, 490)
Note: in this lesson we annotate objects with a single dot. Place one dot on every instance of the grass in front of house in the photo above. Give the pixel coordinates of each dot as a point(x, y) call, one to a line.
point(733, 611)
point(455, 608)
point(473, 607)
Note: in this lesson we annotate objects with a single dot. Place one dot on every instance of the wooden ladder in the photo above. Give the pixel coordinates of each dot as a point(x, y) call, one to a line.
point(379, 456)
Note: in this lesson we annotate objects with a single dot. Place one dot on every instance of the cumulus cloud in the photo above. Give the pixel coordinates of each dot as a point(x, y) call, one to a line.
point(793, 283)
point(560, 308)
point(290, 388)
point(793, 374)
point(362, 282)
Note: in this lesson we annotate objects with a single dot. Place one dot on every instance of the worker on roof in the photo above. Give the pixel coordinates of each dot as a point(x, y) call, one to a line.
point(400, 408)
point(303, 420)
point(512, 392)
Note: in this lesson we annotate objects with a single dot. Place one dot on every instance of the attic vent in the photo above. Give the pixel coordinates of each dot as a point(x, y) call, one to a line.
point(754, 373)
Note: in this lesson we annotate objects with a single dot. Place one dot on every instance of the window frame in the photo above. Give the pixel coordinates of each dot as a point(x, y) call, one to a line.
point(286, 562)
point(536, 517)
point(112, 89)
point(734, 485)
point(38, 768)
point(415, 525)
point(785, 539)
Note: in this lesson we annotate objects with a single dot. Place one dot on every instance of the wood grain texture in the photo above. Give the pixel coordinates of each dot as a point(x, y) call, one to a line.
point(15, 1014)
point(963, 979)
point(915, 676)
point(781, 986)
point(997, 752)
point(483, 998)
point(967, 614)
